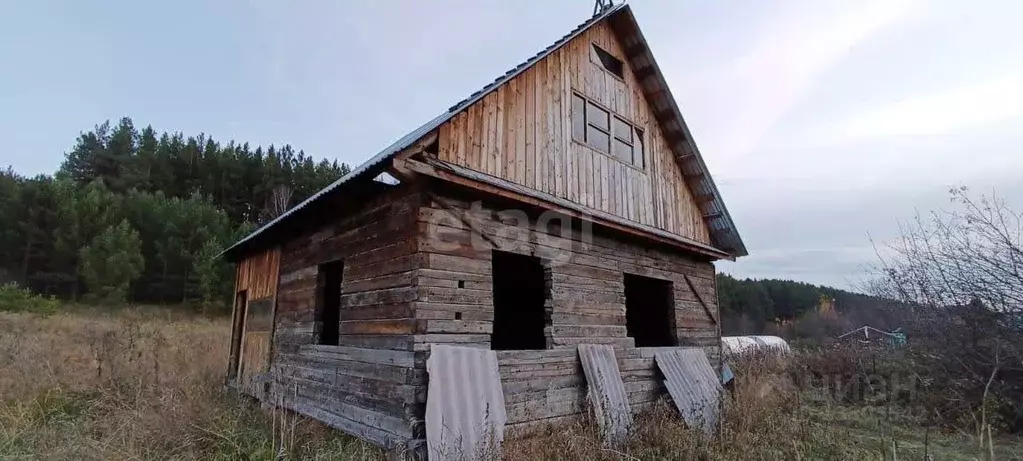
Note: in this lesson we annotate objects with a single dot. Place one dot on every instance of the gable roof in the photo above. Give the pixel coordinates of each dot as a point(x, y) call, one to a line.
point(723, 233)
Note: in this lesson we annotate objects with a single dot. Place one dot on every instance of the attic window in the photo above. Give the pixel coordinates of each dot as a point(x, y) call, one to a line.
point(610, 63)
point(606, 132)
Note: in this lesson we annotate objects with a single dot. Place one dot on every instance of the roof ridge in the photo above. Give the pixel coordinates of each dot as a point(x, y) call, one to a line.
point(716, 217)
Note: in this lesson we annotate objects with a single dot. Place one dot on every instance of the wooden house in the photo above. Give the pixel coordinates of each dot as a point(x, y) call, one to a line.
point(564, 203)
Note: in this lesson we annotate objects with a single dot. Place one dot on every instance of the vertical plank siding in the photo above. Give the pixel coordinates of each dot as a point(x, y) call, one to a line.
point(257, 274)
point(257, 277)
point(522, 132)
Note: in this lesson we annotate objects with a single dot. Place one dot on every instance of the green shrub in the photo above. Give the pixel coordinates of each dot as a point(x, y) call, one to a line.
point(17, 299)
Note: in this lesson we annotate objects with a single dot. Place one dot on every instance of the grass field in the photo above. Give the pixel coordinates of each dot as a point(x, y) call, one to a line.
point(147, 384)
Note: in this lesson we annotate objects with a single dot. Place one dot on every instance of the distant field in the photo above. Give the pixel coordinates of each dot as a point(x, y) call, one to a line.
point(147, 384)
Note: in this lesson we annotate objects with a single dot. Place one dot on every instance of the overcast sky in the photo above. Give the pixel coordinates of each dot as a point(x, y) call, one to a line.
point(821, 121)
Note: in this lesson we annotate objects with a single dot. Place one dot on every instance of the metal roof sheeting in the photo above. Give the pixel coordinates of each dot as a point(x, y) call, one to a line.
point(723, 232)
point(465, 412)
point(606, 392)
point(692, 384)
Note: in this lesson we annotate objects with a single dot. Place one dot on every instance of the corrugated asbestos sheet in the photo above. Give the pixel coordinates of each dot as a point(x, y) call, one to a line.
point(693, 385)
point(606, 392)
point(724, 235)
point(465, 413)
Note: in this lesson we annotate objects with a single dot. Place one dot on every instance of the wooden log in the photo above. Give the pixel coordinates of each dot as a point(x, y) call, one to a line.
point(362, 428)
point(364, 355)
point(394, 342)
point(378, 327)
point(513, 386)
point(456, 326)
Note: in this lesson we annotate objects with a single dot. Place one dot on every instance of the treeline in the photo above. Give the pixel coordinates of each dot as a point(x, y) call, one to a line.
point(140, 216)
point(766, 306)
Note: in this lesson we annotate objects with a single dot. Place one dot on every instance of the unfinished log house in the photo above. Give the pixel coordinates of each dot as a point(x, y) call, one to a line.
point(564, 203)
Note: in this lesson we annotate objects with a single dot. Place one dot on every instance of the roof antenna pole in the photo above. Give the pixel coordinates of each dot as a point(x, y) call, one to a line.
point(601, 6)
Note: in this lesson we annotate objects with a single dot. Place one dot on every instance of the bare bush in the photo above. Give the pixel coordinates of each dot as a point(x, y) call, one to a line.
point(958, 277)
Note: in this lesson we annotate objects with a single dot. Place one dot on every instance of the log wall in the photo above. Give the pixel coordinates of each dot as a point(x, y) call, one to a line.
point(417, 270)
point(366, 385)
point(543, 388)
point(585, 270)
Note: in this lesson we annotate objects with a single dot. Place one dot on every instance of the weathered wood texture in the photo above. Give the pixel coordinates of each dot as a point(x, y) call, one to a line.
point(372, 383)
point(543, 388)
point(255, 344)
point(256, 283)
point(377, 247)
point(586, 300)
point(369, 393)
point(257, 274)
point(522, 132)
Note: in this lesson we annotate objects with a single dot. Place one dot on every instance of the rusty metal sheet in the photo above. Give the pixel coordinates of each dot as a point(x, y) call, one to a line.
point(465, 412)
point(606, 392)
point(693, 385)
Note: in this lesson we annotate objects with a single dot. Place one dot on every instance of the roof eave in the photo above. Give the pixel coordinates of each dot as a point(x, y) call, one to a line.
point(719, 222)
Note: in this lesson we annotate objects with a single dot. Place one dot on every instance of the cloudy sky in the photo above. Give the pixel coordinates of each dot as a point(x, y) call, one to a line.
point(821, 121)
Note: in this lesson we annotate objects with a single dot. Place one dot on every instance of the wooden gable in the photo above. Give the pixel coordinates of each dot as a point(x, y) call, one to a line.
point(521, 132)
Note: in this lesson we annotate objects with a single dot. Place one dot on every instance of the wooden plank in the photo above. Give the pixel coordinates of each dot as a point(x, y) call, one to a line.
point(356, 428)
point(500, 127)
point(365, 355)
point(527, 162)
point(475, 133)
point(385, 296)
point(555, 99)
point(378, 327)
point(542, 129)
point(512, 128)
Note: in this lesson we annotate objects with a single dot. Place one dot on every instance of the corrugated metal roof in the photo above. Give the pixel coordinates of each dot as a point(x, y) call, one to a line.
point(722, 229)
point(465, 412)
point(693, 385)
point(606, 392)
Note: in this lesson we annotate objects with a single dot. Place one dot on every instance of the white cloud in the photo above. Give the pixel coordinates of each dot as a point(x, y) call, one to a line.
point(968, 106)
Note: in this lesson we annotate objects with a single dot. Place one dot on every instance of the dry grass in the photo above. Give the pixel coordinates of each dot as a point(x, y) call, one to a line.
point(147, 384)
point(767, 418)
point(136, 384)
